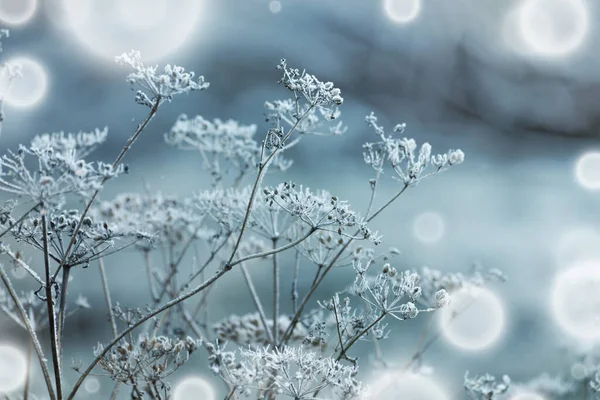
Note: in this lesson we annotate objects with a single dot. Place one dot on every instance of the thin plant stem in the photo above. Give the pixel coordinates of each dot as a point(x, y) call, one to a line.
point(27, 371)
point(143, 319)
point(50, 304)
point(107, 297)
point(295, 283)
point(115, 391)
point(262, 169)
point(151, 287)
point(346, 347)
point(62, 308)
point(420, 343)
point(17, 222)
point(275, 294)
point(30, 330)
point(319, 278)
point(274, 251)
point(257, 303)
point(124, 150)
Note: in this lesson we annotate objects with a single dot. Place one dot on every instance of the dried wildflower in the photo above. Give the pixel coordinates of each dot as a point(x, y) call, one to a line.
point(291, 372)
point(436, 285)
point(35, 308)
point(93, 240)
point(156, 86)
point(312, 89)
point(148, 362)
point(402, 156)
point(59, 169)
point(167, 218)
point(485, 387)
point(393, 293)
point(318, 210)
point(82, 143)
point(248, 330)
point(317, 121)
point(220, 140)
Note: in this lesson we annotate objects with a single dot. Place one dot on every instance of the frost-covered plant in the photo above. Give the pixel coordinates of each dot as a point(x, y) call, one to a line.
point(146, 364)
point(282, 350)
point(155, 86)
point(292, 372)
point(486, 387)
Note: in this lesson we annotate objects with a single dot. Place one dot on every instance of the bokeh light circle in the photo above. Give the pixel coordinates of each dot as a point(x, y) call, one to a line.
point(429, 227)
point(17, 12)
point(587, 170)
point(275, 6)
point(402, 11)
point(13, 368)
point(138, 14)
point(91, 385)
point(154, 27)
point(192, 388)
point(527, 396)
point(411, 386)
point(18, 272)
point(553, 27)
point(579, 371)
point(27, 90)
point(474, 320)
point(576, 300)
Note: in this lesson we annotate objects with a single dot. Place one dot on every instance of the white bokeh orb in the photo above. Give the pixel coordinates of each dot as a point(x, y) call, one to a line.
point(527, 396)
point(13, 368)
point(17, 12)
point(192, 388)
point(138, 14)
point(474, 320)
point(18, 272)
point(587, 170)
point(553, 27)
point(402, 11)
point(579, 371)
point(578, 244)
point(91, 385)
point(575, 300)
point(28, 90)
point(411, 386)
point(154, 27)
point(429, 227)
point(275, 6)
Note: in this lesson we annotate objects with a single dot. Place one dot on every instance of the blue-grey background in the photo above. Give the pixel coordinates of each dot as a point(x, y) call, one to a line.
point(522, 122)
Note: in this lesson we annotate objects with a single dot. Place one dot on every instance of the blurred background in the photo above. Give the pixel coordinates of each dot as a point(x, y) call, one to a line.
point(515, 84)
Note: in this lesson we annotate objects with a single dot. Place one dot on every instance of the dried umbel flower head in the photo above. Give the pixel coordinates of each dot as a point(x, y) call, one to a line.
point(149, 361)
point(168, 218)
point(57, 168)
point(290, 372)
point(93, 239)
point(219, 141)
point(401, 155)
point(248, 330)
point(318, 210)
point(312, 89)
point(157, 86)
